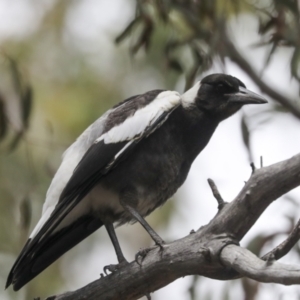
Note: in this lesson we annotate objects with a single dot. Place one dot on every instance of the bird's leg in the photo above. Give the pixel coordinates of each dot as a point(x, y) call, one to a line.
point(122, 260)
point(156, 238)
point(112, 234)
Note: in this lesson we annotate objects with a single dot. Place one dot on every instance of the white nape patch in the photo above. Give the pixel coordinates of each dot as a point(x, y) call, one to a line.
point(143, 118)
point(188, 98)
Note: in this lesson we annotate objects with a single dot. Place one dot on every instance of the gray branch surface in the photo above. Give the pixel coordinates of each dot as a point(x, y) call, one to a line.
point(282, 249)
point(212, 251)
point(249, 265)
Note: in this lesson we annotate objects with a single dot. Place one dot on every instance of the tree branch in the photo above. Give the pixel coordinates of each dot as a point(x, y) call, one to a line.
point(206, 252)
point(249, 265)
point(284, 248)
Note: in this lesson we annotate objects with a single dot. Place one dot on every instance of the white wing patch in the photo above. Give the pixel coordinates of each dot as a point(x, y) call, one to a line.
point(143, 118)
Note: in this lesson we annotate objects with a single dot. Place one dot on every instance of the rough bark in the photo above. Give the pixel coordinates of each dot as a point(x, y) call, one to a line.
point(212, 251)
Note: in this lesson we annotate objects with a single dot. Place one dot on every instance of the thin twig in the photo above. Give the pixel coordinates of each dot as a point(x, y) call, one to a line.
point(216, 193)
point(282, 249)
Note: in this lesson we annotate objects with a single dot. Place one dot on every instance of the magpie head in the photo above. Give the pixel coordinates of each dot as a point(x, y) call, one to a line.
point(221, 95)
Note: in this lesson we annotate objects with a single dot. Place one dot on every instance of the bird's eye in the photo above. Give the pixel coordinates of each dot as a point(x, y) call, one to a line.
point(223, 86)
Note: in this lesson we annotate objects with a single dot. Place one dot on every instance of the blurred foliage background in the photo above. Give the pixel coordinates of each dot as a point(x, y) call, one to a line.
point(64, 63)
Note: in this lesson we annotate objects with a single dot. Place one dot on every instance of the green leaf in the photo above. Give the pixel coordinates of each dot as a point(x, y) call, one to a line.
point(127, 31)
point(25, 213)
point(26, 106)
point(175, 65)
point(144, 39)
point(3, 120)
point(295, 64)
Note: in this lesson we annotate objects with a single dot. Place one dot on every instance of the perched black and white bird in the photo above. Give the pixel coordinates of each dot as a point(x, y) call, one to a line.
point(125, 165)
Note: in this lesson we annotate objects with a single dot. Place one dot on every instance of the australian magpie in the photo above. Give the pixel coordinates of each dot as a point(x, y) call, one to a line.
point(125, 165)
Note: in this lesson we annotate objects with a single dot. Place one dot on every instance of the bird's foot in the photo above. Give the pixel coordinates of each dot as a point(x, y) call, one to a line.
point(140, 255)
point(114, 268)
point(161, 243)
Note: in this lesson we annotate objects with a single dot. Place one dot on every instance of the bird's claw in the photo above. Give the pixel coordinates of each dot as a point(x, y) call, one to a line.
point(114, 268)
point(161, 244)
point(140, 255)
point(110, 268)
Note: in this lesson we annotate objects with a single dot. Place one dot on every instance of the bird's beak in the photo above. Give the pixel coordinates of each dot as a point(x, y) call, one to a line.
point(244, 96)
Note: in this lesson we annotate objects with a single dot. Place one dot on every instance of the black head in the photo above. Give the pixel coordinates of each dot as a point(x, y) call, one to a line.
point(221, 95)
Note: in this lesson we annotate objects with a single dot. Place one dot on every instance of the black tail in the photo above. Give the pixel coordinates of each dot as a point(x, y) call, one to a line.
point(33, 260)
